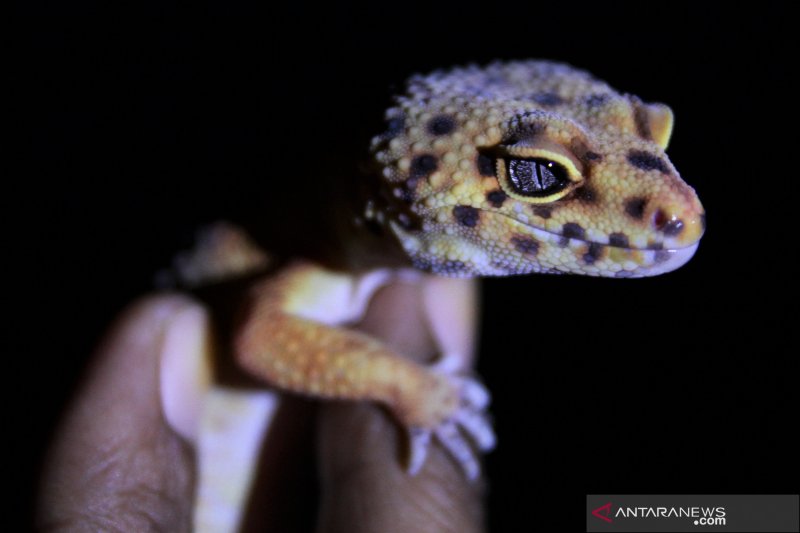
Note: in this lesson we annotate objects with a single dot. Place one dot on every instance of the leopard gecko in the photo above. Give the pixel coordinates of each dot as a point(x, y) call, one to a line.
point(512, 168)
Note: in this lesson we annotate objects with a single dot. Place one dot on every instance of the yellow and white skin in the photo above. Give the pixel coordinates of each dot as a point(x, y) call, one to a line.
point(513, 168)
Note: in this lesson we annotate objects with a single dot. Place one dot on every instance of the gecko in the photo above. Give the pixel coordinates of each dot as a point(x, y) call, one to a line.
point(512, 168)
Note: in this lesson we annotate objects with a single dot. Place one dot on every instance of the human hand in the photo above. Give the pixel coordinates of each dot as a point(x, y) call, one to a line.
point(123, 457)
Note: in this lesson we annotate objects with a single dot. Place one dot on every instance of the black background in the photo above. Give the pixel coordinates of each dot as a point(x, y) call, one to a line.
point(130, 133)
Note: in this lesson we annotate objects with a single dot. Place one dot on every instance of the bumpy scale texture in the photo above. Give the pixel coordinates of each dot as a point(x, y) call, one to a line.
point(533, 166)
point(513, 168)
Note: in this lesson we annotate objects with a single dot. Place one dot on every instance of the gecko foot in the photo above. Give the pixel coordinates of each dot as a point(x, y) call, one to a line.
point(465, 434)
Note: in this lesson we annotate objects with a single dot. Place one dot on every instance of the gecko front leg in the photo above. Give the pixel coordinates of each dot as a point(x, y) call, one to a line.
point(290, 339)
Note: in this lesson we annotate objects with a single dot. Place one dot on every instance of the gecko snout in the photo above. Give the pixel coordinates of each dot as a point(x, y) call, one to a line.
point(680, 226)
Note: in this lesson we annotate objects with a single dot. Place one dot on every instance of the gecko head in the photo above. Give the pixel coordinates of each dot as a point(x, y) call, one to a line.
point(546, 170)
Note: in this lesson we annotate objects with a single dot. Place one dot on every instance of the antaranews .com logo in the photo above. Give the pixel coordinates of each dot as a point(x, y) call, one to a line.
point(704, 512)
point(702, 516)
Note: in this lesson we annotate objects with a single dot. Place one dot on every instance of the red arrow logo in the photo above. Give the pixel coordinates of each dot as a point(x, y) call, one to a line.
point(603, 512)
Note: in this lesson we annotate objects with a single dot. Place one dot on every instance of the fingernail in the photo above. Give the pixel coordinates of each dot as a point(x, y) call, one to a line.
point(185, 370)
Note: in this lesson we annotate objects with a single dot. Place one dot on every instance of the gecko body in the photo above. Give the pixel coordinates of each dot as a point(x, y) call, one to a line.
point(513, 168)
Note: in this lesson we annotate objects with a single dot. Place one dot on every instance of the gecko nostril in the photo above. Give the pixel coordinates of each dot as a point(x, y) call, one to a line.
point(671, 226)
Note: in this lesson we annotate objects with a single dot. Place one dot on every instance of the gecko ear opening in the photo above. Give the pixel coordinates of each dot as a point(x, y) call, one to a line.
point(659, 122)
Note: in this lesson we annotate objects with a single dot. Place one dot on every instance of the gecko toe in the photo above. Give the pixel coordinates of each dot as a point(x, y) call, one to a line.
point(473, 393)
point(479, 429)
point(465, 431)
point(458, 447)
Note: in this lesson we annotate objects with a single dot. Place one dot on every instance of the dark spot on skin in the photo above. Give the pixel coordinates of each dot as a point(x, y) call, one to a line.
point(647, 161)
point(422, 264)
point(581, 150)
point(596, 100)
point(486, 165)
point(409, 189)
point(525, 245)
point(395, 126)
point(441, 125)
point(572, 230)
point(593, 252)
point(423, 165)
point(547, 99)
point(526, 114)
point(585, 194)
point(503, 265)
point(662, 256)
point(655, 246)
point(642, 122)
point(635, 207)
point(619, 240)
point(466, 215)
point(563, 242)
point(450, 266)
point(541, 211)
point(496, 198)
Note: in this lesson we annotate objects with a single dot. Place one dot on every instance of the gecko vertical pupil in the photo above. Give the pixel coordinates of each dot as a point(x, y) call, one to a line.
point(536, 177)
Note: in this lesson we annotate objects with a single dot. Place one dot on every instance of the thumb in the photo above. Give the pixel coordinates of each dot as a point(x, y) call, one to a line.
point(118, 460)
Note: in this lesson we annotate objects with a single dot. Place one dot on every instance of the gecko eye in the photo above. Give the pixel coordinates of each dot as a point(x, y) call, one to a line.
point(536, 177)
point(537, 174)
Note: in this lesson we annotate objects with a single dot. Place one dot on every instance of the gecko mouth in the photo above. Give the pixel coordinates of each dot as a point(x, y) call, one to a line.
point(564, 240)
point(643, 261)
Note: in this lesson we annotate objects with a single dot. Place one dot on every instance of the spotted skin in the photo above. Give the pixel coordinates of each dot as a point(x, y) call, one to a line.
point(622, 190)
point(513, 168)
point(496, 198)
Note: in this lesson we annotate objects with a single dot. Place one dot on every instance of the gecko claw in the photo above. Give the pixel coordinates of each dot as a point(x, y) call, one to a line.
point(464, 434)
point(419, 440)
